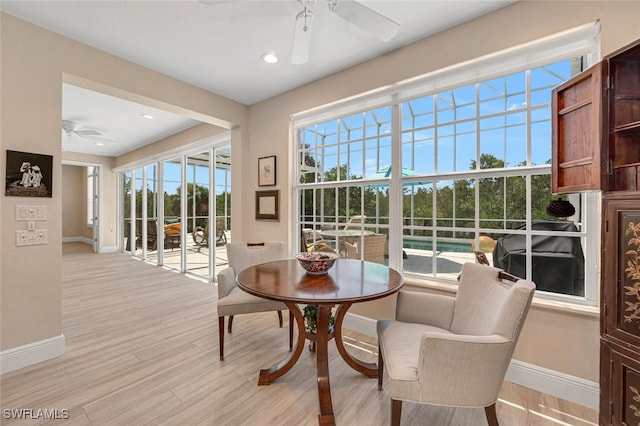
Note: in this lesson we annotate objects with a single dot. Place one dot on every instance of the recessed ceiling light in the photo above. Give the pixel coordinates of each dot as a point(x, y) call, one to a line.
point(269, 58)
point(99, 143)
point(148, 116)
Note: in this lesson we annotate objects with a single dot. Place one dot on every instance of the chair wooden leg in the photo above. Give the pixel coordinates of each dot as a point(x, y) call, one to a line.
point(230, 323)
point(396, 412)
point(380, 368)
point(221, 334)
point(290, 330)
point(490, 412)
point(280, 318)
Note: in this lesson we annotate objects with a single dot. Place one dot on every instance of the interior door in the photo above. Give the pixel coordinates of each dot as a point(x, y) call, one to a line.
point(93, 210)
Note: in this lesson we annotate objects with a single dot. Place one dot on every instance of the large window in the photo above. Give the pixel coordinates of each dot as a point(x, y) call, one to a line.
point(474, 162)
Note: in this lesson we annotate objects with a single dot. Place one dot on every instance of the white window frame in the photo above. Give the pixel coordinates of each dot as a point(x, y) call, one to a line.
point(580, 41)
point(91, 170)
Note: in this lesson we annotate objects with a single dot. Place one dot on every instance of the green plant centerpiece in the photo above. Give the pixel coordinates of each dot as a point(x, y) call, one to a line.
point(310, 319)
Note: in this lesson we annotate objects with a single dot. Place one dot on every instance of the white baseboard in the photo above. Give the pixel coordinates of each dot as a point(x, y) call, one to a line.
point(77, 240)
point(110, 249)
point(555, 383)
point(560, 385)
point(32, 353)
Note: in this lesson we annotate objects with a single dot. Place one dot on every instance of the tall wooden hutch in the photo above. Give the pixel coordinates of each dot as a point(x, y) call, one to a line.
point(596, 146)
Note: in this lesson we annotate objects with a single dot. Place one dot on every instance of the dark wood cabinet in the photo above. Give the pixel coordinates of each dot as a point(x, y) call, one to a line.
point(596, 126)
point(624, 119)
point(620, 310)
point(596, 146)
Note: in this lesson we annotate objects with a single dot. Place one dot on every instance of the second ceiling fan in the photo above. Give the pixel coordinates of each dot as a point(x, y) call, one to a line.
point(353, 12)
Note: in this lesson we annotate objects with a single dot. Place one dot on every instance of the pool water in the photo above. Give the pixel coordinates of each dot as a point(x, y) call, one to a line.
point(449, 246)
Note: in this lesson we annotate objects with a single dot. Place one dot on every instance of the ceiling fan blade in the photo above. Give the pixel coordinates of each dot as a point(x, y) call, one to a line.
point(302, 37)
point(367, 19)
point(69, 126)
point(87, 132)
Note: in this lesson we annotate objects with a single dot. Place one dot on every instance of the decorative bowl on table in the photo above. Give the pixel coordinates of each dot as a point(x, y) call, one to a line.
point(316, 262)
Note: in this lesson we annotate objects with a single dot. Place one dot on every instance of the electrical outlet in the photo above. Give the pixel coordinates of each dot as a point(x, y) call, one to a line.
point(22, 238)
point(40, 236)
point(31, 238)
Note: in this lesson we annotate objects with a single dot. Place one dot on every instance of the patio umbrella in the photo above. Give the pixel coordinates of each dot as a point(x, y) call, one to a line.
point(385, 173)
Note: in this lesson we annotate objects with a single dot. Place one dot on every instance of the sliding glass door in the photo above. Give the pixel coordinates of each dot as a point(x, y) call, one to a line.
point(172, 223)
point(198, 215)
point(177, 212)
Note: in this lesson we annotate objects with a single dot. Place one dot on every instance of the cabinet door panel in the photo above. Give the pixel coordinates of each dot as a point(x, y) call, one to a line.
point(621, 272)
point(577, 159)
point(624, 394)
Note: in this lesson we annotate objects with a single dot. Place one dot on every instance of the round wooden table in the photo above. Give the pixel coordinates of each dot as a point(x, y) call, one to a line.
point(348, 281)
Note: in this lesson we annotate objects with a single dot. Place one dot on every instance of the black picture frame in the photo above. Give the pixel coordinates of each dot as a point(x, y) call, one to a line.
point(29, 175)
point(267, 171)
point(268, 205)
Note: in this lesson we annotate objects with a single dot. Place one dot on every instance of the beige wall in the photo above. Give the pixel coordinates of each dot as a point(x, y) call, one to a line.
point(35, 63)
point(552, 339)
point(74, 202)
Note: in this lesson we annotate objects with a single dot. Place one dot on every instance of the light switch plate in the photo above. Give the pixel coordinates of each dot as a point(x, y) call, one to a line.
point(30, 212)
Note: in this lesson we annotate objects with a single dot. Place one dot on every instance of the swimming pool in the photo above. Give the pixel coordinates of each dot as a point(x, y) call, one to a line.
point(461, 246)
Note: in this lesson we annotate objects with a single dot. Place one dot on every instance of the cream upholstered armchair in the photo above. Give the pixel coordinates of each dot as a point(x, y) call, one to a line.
point(232, 300)
point(454, 351)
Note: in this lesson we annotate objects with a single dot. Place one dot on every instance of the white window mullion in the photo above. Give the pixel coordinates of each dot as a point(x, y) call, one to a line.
point(183, 213)
point(395, 191)
point(212, 220)
point(160, 212)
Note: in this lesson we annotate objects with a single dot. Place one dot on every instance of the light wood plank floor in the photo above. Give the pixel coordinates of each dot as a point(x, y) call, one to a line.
point(142, 348)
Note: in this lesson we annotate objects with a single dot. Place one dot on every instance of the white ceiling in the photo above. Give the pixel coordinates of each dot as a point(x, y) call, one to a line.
point(217, 45)
point(120, 124)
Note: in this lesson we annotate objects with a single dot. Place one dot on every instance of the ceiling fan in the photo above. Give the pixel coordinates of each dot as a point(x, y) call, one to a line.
point(350, 10)
point(71, 129)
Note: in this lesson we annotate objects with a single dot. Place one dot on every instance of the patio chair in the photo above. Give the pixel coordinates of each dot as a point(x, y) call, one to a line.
point(172, 235)
point(152, 234)
point(372, 248)
point(454, 351)
point(355, 222)
point(313, 241)
point(201, 235)
point(232, 300)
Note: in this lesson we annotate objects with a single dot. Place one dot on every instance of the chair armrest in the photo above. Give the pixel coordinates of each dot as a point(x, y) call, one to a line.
point(480, 362)
point(425, 308)
point(226, 281)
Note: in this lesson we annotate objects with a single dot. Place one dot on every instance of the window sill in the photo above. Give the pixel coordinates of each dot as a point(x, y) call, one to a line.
point(557, 306)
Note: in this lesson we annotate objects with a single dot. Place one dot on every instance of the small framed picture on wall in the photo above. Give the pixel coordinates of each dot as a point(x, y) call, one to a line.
point(267, 205)
point(267, 171)
point(28, 174)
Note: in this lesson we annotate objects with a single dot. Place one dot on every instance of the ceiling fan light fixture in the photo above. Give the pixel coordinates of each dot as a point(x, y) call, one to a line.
point(269, 58)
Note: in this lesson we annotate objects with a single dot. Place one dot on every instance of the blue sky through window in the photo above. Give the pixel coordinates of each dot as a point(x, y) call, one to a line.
point(442, 132)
